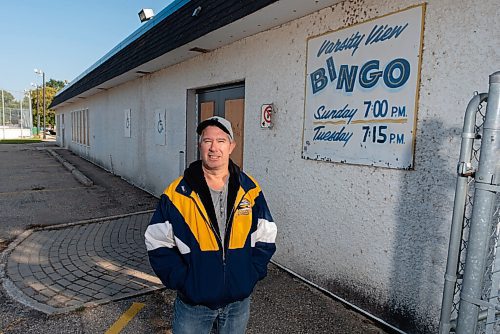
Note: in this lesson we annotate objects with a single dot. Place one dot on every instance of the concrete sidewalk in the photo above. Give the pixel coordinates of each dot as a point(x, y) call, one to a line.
point(71, 266)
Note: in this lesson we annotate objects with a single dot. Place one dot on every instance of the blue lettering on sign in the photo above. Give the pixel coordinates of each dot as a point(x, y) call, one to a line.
point(336, 136)
point(378, 34)
point(395, 75)
point(348, 43)
point(322, 113)
point(382, 33)
point(369, 79)
point(347, 78)
point(318, 80)
point(404, 73)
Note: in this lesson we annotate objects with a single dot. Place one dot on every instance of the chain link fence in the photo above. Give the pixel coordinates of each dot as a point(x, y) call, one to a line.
point(491, 275)
point(471, 298)
point(468, 206)
point(15, 117)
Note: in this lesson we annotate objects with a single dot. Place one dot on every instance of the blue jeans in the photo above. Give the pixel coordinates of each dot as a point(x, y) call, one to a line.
point(198, 319)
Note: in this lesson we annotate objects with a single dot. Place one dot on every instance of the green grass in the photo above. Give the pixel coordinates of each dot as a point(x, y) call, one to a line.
point(19, 141)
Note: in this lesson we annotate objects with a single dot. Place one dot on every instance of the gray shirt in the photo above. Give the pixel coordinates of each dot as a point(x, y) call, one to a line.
point(219, 199)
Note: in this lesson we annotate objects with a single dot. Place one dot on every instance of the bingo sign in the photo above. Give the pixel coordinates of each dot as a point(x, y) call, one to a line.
point(362, 91)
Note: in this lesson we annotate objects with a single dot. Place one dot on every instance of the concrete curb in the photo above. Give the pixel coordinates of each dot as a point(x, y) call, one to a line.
point(90, 221)
point(16, 294)
point(5, 253)
point(76, 173)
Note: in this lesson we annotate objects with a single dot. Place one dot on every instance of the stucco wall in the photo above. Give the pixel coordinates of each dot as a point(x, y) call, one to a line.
point(375, 236)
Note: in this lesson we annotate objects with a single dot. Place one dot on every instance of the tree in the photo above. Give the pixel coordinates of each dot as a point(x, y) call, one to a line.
point(56, 84)
point(51, 88)
point(9, 100)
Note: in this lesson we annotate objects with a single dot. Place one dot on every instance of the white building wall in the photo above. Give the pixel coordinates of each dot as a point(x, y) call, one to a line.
point(375, 236)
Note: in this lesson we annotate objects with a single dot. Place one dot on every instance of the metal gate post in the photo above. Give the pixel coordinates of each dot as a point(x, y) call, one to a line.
point(487, 184)
point(464, 171)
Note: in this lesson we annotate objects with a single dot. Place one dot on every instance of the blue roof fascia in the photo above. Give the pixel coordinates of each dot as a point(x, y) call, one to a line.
point(166, 12)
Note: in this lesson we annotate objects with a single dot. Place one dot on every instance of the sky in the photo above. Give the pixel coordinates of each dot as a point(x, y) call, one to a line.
point(61, 37)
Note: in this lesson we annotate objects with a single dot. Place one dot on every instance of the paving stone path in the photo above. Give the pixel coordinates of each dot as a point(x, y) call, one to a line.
point(60, 269)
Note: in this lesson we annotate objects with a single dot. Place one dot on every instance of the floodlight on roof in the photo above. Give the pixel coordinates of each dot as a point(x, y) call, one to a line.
point(146, 14)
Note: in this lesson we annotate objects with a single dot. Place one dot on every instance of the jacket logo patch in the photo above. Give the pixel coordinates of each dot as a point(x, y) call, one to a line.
point(244, 207)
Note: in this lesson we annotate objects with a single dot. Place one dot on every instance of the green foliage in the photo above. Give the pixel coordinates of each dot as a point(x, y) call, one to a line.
point(51, 88)
point(56, 84)
point(9, 100)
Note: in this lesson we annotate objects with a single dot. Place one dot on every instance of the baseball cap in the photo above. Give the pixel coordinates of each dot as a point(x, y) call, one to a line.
point(217, 121)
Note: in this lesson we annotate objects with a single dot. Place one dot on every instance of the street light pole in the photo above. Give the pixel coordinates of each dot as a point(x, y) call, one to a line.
point(3, 115)
point(44, 125)
point(30, 123)
point(42, 73)
point(21, 103)
point(37, 108)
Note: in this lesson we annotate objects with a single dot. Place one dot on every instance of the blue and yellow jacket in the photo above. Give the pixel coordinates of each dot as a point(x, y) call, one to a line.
point(184, 245)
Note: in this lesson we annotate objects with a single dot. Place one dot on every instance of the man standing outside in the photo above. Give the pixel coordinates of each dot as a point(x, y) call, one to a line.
point(211, 238)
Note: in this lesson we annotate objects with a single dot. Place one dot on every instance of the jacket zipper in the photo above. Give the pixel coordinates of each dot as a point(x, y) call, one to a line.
point(231, 217)
point(226, 237)
point(222, 242)
point(209, 223)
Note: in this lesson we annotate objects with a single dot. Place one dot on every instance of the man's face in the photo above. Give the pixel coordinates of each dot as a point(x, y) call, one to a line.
point(215, 148)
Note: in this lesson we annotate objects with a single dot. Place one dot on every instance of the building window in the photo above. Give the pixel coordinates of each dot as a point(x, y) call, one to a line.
point(80, 127)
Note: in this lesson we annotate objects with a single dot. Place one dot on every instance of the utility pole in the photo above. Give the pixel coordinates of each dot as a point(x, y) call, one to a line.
point(37, 107)
point(42, 73)
point(22, 99)
point(3, 115)
point(38, 110)
point(44, 125)
point(30, 123)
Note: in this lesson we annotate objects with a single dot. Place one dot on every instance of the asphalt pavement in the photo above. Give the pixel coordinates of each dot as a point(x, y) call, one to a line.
point(73, 257)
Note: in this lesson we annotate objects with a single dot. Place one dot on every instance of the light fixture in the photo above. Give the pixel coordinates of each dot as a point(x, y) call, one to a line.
point(146, 14)
point(196, 11)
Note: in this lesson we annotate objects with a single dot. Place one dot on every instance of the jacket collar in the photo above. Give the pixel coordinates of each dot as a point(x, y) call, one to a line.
point(194, 177)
